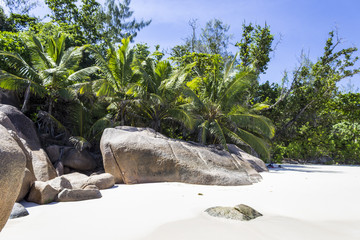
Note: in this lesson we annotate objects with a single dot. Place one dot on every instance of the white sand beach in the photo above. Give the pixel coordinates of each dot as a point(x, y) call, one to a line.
point(298, 202)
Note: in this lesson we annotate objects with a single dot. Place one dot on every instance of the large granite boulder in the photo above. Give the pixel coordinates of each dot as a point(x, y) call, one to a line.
point(140, 155)
point(12, 169)
point(13, 119)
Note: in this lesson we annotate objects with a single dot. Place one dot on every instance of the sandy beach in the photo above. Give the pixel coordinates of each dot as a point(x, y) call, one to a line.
point(297, 201)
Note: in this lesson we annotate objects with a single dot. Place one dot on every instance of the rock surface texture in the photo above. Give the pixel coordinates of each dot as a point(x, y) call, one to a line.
point(13, 119)
point(42, 193)
point(240, 212)
point(140, 155)
point(12, 169)
point(68, 195)
point(71, 158)
point(256, 163)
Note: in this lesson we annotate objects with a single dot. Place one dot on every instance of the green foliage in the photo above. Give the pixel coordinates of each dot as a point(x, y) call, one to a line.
point(50, 72)
point(214, 38)
point(13, 42)
point(255, 47)
point(96, 23)
point(311, 114)
point(221, 112)
point(160, 91)
point(204, 95)
point(117, 24)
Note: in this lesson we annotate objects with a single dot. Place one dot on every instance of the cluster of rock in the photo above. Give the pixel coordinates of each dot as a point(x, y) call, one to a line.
point(141, 155)
point(27, 172)
point(70, 187)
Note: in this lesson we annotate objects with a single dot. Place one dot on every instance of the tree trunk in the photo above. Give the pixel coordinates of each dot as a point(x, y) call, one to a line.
point(26, 99)
point(50, 106)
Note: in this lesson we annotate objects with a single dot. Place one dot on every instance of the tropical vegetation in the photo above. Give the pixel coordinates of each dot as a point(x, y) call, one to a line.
point(83, 71)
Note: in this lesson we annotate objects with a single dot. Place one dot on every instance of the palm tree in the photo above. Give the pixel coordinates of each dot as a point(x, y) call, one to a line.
point(221, 114)
point(51, 73)
point(116, 75)
point(159, 89)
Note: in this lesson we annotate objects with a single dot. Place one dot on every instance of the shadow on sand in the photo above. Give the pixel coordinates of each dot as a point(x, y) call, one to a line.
point(301, 168)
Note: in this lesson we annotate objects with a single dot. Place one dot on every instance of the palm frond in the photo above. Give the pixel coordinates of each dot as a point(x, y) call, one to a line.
point(177, 79)
point(229, 67)
point(39, 58)
point(255, 123)
point(204, 128)
point(18, 64)
point(259, 107)
point(99, 126)
point(234, 86)
point(67, 94)
point(103, 64)
point(180, 115)
point(217, 132)
point(106, 89)
point(11, 82)
point(71, 57)
point(83, 74)
point(258, 144)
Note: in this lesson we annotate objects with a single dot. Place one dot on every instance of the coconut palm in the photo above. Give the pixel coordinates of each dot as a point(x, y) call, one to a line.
point(221, 115)
point(51, 73)
point(159, 89)
point(116, 75)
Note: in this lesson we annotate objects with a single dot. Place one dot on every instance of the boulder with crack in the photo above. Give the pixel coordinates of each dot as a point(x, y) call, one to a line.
point(141, 155)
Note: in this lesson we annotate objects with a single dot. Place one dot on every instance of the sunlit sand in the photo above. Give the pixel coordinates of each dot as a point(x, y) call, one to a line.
point(298, 202)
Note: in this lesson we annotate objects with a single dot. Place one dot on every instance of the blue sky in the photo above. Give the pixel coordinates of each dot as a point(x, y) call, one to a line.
point(303, 25)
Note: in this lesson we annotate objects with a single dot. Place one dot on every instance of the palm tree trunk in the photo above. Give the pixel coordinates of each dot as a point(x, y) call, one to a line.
point(50, 106)
point(26, 99)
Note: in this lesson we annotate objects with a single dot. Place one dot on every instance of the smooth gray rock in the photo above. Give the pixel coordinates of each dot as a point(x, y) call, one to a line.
point(88, 193)
point(240, 212)
point(140, 155)
point(18, 211)
point(102, 181)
